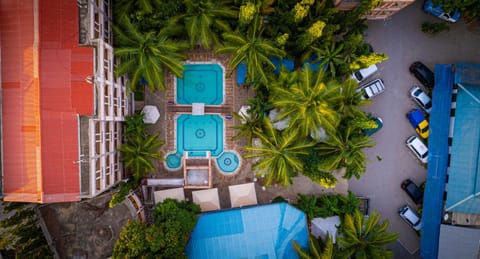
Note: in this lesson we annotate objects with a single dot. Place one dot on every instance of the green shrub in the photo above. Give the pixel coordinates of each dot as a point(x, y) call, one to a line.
point(165, 238)
point(327, 205)
point(119, 196)
point(434, 28)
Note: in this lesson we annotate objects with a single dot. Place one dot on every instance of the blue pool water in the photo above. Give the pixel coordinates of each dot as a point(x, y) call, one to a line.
point(197, 134)
point(174, 160)
point(228, 162)
point(201, 83)
point(253, 232)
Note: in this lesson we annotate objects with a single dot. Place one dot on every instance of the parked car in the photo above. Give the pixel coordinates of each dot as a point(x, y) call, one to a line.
point(379, 122)
point(437, 11)
point(411, 217)
point(423, 74)
point(421, 98)
point(415, 193)
point(363, 73)
point(419, 123)
point(372, 89)
point(418, 148)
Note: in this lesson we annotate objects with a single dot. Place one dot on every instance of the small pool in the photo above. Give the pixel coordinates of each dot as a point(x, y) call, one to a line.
point(201, 83)
point(228, 162)
point(197, 134)
point(174, 160)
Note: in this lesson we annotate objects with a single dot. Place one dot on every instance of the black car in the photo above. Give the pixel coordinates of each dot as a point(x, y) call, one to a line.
point(415, 193)
point(423, 74)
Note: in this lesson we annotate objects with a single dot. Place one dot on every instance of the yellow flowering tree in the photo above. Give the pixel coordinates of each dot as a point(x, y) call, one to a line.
point(247, 13)
point(314, 32)
point(368, 60)
point(301, 10)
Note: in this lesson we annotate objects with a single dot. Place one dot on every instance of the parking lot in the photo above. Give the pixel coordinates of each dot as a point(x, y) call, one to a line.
point(403, 41)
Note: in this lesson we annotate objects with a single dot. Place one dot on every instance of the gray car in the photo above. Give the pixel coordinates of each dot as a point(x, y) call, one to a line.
point(411, 217)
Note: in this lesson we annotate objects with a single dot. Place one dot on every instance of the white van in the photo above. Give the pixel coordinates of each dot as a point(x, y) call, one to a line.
point(371, 89)
point(418, 148)
point(363, 73)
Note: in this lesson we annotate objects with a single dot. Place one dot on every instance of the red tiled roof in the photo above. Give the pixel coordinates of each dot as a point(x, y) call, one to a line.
point(44, 90)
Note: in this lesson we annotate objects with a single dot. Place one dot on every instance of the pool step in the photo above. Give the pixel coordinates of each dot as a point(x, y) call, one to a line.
point(208, 109)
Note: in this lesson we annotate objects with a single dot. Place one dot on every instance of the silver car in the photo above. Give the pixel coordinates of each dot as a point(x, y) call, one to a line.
point(411, 217)
point(421, 98)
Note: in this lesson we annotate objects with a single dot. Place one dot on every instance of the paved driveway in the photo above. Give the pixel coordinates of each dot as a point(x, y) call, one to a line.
point(403, 41)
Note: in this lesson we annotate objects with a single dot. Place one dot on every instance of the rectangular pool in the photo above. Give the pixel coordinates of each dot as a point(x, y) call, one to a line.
point(201, 83)
point(197, 134)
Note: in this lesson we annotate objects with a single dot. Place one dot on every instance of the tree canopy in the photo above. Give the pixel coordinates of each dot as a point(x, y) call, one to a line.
point(21, 233)
point(165, 238)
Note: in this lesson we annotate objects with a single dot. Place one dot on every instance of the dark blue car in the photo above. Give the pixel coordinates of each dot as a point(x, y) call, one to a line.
point(436, 10)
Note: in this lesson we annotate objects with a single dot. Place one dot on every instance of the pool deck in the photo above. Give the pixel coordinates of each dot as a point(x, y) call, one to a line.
point(234, 97)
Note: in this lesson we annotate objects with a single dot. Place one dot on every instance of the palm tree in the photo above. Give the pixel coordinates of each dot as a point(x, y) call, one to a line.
point(204, 20)
point(139, 152)
point(308, 204)
point(252, 49)
point(279, 154)
point(331, 56)
point(351, 100)
point(146, 56)
point(250, 125)
point(317, 248)
point(365, 238)
point(312, 169)
point(307, 99)
point(344, 148)
point(134, 125)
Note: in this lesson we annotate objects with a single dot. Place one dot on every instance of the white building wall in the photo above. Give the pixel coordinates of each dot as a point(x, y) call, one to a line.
point(105, 127)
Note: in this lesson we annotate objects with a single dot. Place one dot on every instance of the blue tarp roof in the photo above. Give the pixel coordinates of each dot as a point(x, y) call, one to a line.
point(464, 177)
point(253, 232)
point(287, 63)
point(463, 172)
point(242, 68)
point(464, 180)
point(241, 73)
point(437, 161)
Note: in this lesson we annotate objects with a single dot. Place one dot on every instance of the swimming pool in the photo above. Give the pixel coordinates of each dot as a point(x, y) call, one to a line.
point(201, 83)
point(197, 134)
point(253, 232)
point(228, 162)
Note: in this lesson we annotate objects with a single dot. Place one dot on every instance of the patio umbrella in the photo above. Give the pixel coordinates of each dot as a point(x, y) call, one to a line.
point(279, 125)
point(207, 199)
point(319, 134)
point(243, 112)
point(175, 193)
point(323, 226)
point(151, 114)
point(242, 195)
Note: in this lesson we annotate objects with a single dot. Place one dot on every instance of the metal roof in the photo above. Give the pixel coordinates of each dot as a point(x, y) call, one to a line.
point(437, 161)
point(464, 181)
point(44, 90)
point(463, 165)
point(458, 242)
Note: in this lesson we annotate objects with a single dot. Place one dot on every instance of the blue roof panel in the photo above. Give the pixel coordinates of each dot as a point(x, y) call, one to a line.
point(437, 161)
point(464, 180)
